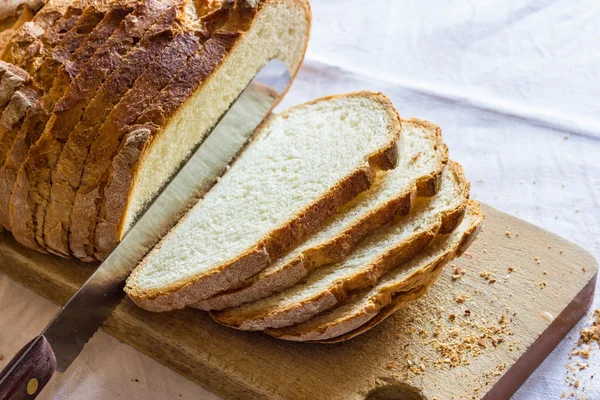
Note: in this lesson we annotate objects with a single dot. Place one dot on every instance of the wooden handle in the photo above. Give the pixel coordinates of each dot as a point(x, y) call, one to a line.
point(29, 371)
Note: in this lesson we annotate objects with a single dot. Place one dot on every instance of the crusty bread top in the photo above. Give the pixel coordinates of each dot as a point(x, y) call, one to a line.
point(296, 162)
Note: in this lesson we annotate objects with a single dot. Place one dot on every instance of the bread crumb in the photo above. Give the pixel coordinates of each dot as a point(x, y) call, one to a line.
point(507, 233)
point(565, 137)
point(511, 268)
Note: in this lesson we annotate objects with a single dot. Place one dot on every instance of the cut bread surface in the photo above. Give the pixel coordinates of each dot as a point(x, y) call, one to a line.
point(32, 189)
point(404, 283)
point(389, 246)
point(302, 166)
point(186, 110)
point(423, 157)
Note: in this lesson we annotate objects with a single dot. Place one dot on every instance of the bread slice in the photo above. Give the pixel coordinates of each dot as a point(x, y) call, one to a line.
point(423, 157)
point(83, 46)
point(30, 130)
point(302, 166)
point(403, 284)
point(389, 246)
point(184, 112)
point(90, 158)
point(32, 189)
point(13, 113)
point(164, 47)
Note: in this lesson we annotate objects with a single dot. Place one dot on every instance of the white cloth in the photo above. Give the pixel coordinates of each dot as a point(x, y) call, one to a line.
point(506, 81)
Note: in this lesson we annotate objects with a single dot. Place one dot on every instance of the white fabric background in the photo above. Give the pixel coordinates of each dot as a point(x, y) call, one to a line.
point(506, 81)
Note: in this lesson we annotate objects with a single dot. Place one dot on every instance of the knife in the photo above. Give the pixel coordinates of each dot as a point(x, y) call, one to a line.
point(66, 335)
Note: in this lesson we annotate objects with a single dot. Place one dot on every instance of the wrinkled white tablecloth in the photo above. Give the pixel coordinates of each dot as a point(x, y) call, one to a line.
point(507, 81)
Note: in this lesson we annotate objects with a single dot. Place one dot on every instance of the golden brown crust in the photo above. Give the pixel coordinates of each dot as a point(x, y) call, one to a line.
point(109, 228)
point(388, 299)
point(69, 43)
point(91, 190)
point(12, 25)
point(91, 43)
point(13, 77)
point(30, 45)
point(31, 192)
point(67, 174)
point(337, 248)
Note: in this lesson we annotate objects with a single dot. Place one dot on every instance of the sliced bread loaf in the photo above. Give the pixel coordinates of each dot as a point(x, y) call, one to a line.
point(179, 118)
point(389, 246)
point(99, 147)
point(168, 43)
point(83, 45)
point(303, 165)
point(404, 283)
point(423, 157)
point(32, 189)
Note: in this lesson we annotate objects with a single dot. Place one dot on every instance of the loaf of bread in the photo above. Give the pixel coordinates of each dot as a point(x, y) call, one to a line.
point(334, 216)
point(107, 71)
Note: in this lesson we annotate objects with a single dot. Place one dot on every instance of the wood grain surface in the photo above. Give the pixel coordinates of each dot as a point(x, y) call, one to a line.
point(491, 318)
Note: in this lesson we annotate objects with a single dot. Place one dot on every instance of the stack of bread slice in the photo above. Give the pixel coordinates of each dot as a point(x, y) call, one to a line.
point(102, 101)
point(336, 215)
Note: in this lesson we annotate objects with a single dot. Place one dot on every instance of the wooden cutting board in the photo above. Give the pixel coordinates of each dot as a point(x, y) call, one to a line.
point(488, 322)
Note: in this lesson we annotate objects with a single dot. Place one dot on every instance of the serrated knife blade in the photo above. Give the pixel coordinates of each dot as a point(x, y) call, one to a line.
point(66, 335)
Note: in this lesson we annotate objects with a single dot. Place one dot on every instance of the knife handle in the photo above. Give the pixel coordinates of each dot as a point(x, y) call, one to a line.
point(29, 371)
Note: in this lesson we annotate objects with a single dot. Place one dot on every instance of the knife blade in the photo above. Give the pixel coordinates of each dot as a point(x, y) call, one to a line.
point(66, 335)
